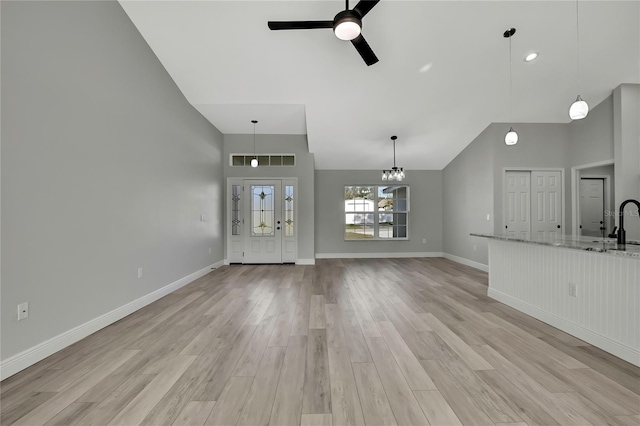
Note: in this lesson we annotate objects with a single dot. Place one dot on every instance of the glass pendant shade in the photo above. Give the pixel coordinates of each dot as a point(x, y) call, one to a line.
point(511, 138)
point(579, 109)
point(254, 162)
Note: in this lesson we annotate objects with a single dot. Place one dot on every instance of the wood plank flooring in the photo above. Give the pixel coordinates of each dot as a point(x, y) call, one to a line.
point(344, 342)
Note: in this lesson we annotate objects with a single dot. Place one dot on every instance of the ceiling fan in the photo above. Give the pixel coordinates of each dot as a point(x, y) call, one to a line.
point(346, 25)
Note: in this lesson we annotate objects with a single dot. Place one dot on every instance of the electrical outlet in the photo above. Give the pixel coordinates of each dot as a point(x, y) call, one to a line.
point(203, 218)
point(424, 241)
point(573, 290)
point(140, 273)
point(488, 216)
point(23, 311)
point(209, 250)
point(474, 247)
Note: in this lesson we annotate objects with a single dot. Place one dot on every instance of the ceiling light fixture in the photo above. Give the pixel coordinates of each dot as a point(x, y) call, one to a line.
point(395, 173)
point(346, 25)
point(254, 160)
point(511, 138)
point(531, 57)
point(579, 109)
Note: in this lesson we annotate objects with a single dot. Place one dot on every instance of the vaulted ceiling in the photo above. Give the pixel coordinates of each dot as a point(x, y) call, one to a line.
point(443, 74)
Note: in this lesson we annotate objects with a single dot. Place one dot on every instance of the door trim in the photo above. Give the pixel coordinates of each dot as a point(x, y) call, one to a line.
point(575, 193)
point(239, 180)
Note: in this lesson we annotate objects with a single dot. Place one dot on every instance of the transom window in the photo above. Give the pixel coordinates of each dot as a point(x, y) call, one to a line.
point(376, 212)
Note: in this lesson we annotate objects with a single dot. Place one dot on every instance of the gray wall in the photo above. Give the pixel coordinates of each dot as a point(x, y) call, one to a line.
point(473, 181)
point(425, 217)
point(626, 129)
point(303, 170)
point(468, 198)
point(591, 139)
point(540, 146)
point(105, 168)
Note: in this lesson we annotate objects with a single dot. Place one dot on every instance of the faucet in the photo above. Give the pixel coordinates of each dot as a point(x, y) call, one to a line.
point(622, 235)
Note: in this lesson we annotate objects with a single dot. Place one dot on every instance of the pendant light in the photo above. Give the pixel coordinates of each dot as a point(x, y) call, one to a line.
point(511, 138)
point(395, 173)
point(254, 160)
point(579, 109)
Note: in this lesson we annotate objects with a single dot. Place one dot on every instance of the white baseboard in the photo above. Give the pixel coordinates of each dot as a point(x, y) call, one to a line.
point(19, 362)
point(376, 255)
point(305, 262)
point(621, 351)
point(458, 259)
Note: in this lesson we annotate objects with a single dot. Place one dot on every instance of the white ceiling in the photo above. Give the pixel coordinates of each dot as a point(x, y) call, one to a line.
point(443, 74)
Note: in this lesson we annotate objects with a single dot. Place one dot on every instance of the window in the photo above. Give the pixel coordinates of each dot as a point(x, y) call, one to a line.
point(244, 160)
point(376, 212)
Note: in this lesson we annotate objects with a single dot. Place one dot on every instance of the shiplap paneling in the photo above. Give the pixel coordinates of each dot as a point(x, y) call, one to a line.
point(535, 279)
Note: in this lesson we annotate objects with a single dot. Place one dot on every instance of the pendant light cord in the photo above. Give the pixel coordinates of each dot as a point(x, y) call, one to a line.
point(510, 79)
point(578, 46)
point(254, 137)
point(394, 153)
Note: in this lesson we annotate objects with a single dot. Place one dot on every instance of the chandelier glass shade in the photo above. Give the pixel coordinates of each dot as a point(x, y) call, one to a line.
point(395, 173)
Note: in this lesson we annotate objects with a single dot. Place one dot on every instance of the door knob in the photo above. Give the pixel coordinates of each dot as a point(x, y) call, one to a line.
point(558, 226)
point(278, 227)
point(279, 222)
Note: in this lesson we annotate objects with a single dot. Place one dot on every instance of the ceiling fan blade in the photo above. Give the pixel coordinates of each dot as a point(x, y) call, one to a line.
point(299, 25)
point(364, 6)
point(364, 50)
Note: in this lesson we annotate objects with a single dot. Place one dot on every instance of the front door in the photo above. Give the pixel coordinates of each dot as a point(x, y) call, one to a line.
point(263, 213)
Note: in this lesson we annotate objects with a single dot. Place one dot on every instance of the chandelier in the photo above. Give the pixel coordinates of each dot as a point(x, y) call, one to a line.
point(395, 173)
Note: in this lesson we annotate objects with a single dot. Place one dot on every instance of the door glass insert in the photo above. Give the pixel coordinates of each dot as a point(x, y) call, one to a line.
point(288, 210)
point(235, 210)
point(262, 210)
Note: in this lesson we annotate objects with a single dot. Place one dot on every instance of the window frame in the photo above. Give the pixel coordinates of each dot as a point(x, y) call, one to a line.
point(376, 213)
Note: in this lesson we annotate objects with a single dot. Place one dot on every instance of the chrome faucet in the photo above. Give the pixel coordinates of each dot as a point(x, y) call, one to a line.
point(622, 235)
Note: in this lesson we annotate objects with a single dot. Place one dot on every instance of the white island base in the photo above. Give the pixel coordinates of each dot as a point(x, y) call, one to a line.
point(539, 280)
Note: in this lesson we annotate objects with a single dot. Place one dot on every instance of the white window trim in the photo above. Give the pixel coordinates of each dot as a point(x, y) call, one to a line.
point(376, 216)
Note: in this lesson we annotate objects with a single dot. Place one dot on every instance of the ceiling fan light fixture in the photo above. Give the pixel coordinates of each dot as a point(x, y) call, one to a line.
point(579, 109)
point(347, 26)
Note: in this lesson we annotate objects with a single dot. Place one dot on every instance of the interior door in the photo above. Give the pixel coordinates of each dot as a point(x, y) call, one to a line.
point(546, 204)
point(263, 214)
point(591, 207)
point(517, 201)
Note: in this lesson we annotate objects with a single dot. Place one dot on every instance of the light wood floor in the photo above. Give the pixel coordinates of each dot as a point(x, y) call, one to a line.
point(401, 341)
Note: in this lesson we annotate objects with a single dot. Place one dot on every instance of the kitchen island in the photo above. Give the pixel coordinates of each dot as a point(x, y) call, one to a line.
point(587, 287)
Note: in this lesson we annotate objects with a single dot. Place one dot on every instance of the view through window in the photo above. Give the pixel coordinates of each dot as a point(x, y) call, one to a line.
point(376, 212)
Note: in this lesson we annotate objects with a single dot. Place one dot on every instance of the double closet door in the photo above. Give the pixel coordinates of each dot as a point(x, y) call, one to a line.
point(262, 221)
point(533, 204)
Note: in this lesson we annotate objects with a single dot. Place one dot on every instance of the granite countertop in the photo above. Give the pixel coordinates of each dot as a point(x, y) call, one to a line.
point(594, 244)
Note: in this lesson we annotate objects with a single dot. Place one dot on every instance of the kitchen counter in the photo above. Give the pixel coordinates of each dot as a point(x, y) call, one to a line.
point(592, 244)
point(586, 287)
